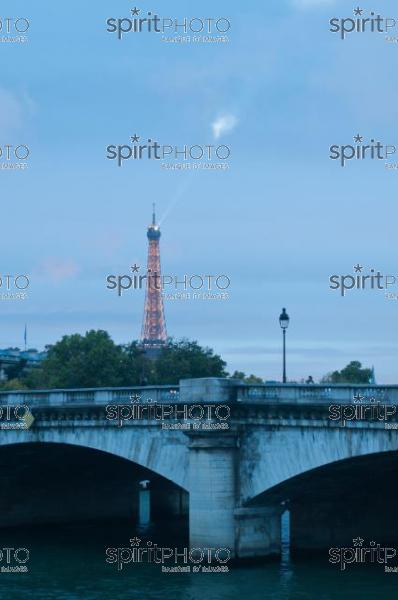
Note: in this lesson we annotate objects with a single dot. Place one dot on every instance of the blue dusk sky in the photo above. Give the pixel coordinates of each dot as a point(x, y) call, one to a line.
point(279, 222)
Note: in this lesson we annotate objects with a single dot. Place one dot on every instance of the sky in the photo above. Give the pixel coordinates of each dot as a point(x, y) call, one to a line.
point(279, 221)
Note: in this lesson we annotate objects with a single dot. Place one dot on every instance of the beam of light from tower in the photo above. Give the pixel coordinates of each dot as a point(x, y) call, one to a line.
point(179, 194)
point(220, 126)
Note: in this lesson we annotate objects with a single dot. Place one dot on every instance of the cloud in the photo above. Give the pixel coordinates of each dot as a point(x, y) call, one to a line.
point(224, 124)
point(303, 4)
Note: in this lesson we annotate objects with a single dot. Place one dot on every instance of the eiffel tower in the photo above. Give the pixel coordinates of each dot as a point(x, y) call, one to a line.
point(153, 333)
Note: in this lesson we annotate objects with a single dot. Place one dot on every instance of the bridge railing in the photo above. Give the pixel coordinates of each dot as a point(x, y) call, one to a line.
point(314, 393)
point(92, 396)
point(208, 390)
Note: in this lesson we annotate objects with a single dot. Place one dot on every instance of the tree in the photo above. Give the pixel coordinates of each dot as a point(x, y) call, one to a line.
point(77, 361)
point(136, 365)
point(253, 379)
point(94, 360)
point(185, 359)
point(352, 373)
point(12, 385)
point(247, 379)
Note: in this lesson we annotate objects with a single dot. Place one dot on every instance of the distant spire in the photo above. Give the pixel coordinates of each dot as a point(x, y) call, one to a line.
point(153, 214)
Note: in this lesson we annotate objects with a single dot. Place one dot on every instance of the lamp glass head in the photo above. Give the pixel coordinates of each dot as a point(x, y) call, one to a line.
point(284, 319)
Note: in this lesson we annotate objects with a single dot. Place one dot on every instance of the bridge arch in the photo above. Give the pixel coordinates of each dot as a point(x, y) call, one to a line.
point(54, 482)
point(274, 456)
point(164, 453)
point(332, 504)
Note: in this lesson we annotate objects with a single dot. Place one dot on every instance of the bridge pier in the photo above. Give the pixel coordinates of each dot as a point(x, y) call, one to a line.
point(215, 521)
point(212, 498)
point(258, 532)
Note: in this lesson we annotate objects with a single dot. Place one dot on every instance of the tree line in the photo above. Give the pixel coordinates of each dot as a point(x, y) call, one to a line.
point(95, 360)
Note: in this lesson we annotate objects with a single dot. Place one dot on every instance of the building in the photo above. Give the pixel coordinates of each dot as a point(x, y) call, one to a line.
point(21, 360)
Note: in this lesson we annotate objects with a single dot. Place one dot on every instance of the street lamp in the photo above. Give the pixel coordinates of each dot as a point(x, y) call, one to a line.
point(284, 323)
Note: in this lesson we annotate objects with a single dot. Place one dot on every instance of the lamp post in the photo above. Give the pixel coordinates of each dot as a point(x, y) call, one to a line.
point(284, 323)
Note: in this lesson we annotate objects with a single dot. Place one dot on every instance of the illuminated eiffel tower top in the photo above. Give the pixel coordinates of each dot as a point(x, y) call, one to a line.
point(153, 333)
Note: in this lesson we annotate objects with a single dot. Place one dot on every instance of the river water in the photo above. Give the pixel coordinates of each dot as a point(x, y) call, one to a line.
point(69, 563)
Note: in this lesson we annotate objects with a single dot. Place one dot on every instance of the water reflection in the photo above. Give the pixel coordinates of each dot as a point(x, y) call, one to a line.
point(68, 563)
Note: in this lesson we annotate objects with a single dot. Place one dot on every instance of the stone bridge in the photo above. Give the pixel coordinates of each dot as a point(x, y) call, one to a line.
point(233, 456)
